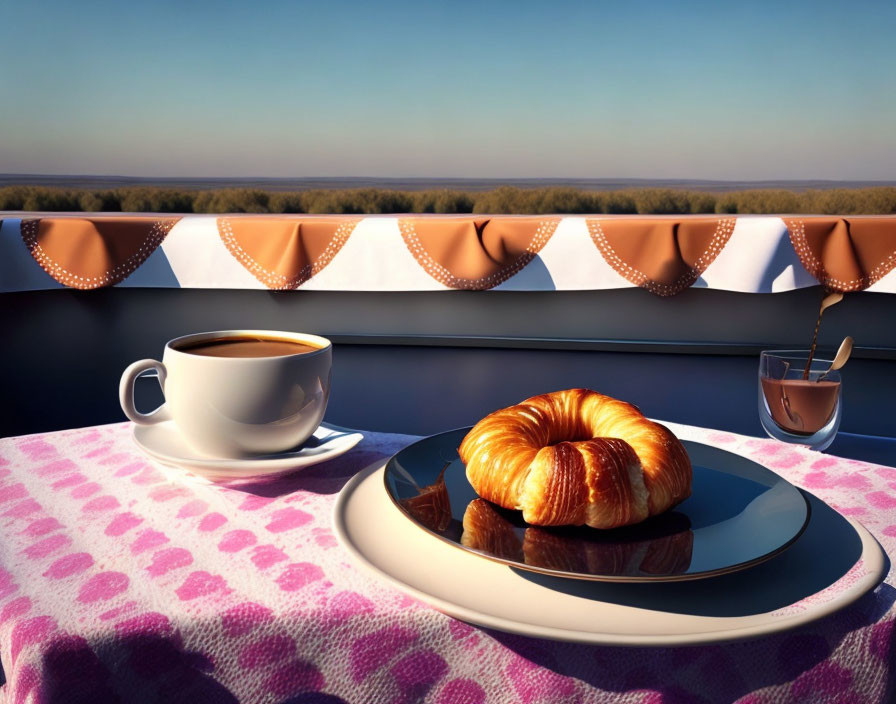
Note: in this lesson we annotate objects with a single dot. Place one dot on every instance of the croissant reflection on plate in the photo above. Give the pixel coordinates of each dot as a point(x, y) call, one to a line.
point(576, 457)
point(486, 530)
point(432, 505)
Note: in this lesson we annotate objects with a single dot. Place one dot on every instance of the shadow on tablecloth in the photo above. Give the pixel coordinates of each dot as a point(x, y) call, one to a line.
point(149, 668)
point(324, 478)
point(802, 656)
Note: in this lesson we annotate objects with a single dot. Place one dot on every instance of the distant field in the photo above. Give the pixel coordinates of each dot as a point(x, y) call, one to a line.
point(94, 183)
point(512, 199)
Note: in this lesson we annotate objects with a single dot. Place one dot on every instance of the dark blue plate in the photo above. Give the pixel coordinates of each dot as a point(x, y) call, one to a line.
point(739, 514)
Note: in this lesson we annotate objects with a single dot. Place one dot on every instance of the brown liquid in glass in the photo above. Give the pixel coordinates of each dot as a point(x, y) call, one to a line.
point(247, 347)
point(800, 406)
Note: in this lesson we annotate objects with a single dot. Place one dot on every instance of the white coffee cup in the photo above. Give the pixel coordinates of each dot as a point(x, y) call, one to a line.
point(237, 406)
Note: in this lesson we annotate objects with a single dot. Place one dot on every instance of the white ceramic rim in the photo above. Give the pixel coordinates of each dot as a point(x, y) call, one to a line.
point(322, 343)
point(871, 554)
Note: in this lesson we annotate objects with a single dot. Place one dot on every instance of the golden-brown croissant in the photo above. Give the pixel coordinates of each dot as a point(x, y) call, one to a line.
point(576, 457)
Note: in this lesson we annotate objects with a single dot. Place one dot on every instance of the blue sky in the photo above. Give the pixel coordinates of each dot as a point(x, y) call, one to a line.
point(746, 90)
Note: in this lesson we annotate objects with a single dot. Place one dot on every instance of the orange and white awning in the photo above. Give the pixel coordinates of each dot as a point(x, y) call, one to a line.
point(663, 254)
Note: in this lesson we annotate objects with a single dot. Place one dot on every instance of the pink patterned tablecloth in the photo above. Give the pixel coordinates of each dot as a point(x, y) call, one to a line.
point(122, 580)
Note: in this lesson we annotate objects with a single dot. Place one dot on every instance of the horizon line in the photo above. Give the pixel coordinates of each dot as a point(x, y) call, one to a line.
point(450, 178)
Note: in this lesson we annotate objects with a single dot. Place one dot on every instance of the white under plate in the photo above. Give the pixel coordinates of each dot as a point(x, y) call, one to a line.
point(164, 443)
point(835, 561)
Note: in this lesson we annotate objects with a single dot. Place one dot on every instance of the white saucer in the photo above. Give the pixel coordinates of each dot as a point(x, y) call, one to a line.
point(165, 444)
point(833, 563)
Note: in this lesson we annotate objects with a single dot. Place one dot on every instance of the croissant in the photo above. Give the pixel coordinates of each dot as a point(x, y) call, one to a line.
point(576, 457)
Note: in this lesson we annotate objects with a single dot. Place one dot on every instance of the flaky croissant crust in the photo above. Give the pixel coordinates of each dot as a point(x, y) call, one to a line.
point(576, 457)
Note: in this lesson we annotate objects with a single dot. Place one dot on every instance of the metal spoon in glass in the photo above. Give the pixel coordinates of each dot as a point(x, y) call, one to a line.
point(841, 358)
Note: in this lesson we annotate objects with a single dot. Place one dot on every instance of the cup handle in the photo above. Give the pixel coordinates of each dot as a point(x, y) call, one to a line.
point(126, 392)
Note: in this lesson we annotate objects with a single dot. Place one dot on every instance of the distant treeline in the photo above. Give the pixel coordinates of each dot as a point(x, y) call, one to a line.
point(860, 201)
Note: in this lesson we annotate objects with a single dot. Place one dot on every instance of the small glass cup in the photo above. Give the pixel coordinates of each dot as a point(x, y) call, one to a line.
point(804, 411)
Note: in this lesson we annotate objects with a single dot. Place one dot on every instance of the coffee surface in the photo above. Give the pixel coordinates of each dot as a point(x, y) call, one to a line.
point(247, 347)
